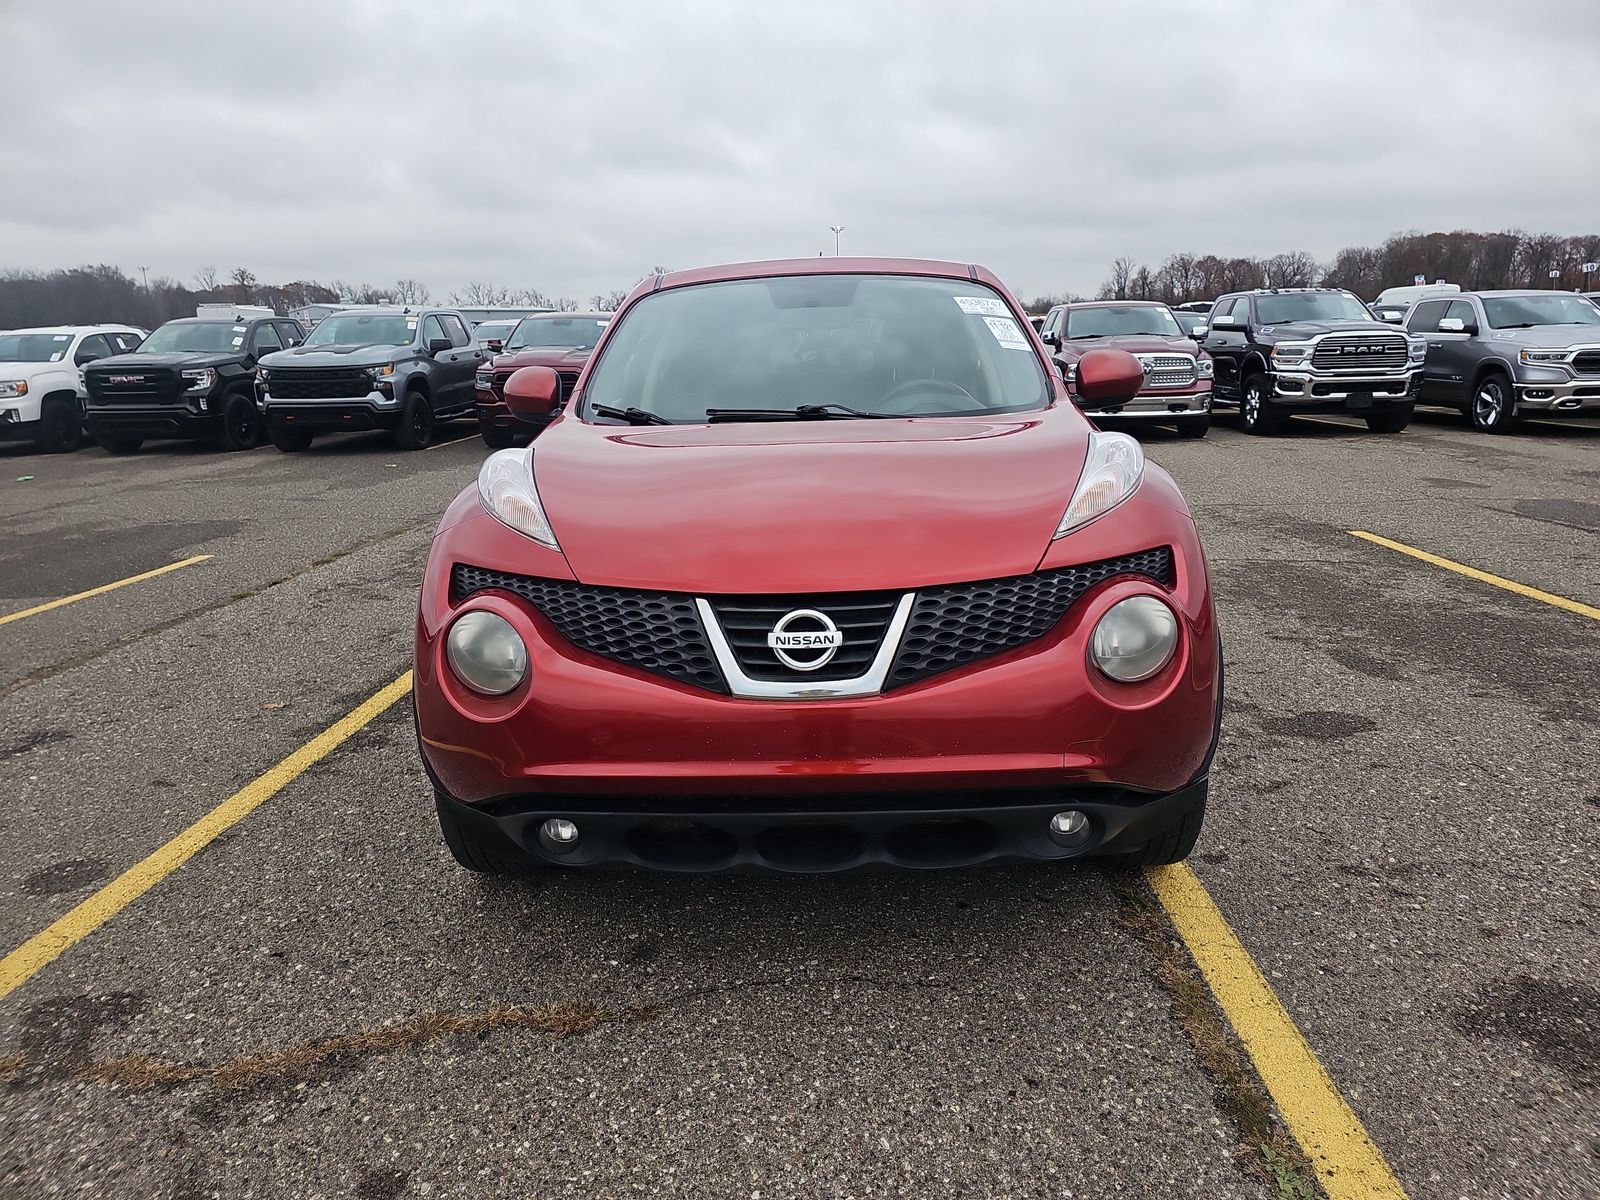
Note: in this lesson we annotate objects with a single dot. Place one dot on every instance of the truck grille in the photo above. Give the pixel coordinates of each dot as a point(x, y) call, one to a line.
point(949, 627)
point(1360, 352)
point(567, 379)
point(1168, 370)
point(134, 385)
point(1586, 362)
point(318, 383)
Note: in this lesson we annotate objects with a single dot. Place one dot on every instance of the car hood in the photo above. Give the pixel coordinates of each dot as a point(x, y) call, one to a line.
point(1133, 343)
point(1298, 330)
point(335, 356)
point(23, 370)
point(808, 506)
point(1554, 337)
point(132, 364)
point(572, 357)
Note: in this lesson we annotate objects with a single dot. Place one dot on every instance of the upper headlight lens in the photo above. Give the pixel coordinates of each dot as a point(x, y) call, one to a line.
point(1544, 356)
point(485, 378)
point(1206, 367)
point(1110, 474)
point(200, 379)
point(382, 372)
point(505, 485)
point(16, 387)
point(1291, 351)
point(486, 653)
point(1417, 349)
point(1135, 639)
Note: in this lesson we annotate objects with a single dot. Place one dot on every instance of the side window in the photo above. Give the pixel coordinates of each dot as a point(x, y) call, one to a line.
point(1425, 316)
point(456, 330)
point(1052, 321)
point(125, 343)
point(1461, 311)
point(266, 339)
point(92, 347)
point(292, 334)
point(431, 328)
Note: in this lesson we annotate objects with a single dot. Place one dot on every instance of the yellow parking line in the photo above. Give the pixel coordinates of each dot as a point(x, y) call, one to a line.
point(457, 442)
point(1510, 585)
point(1348, 1165)
point(28, 959)
point(102, 589)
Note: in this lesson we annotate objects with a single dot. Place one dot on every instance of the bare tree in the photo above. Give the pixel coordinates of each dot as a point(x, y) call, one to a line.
point(206, 279)
point(609, 301)
point(243, 285)
point(410, 291)
point(1121, 275)
point(1294, 269)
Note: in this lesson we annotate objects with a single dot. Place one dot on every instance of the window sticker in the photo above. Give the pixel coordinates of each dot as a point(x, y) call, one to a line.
point(238, 341)
point(982, 306)
point(238, 328)
point(56, 357)
point(62, 337)
point(1006, 333)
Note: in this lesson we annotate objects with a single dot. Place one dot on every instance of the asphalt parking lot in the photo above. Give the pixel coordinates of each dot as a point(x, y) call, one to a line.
point(1403, 836)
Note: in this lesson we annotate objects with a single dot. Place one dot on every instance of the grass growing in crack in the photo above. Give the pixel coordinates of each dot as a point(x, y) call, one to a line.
point(138, 1071)
point(1267, 1151)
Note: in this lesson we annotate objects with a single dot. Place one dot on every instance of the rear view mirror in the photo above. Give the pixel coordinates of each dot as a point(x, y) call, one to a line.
point(1223, 322)
point(1108, 376)
point(1456, 325)
point(532, 393)
point(1051, 338)
point(1198, 332)
point(1392, 317)
point(437, 346)
point(493, 345)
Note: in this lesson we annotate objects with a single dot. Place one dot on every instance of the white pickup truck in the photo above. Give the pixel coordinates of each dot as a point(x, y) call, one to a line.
point(41, 380)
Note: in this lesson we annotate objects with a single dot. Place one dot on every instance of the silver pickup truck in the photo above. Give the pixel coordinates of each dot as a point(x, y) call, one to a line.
point(1499, 356)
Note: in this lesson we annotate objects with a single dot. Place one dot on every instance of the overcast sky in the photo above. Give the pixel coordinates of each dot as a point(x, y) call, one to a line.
point(572, 146)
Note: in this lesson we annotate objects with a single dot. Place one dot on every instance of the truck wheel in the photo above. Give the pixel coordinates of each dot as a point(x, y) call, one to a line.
point(416, 422)
point(1194, 427)
point(1257, 413)
point(475, 852)
point(241, 424)
point(495, 439)
point(290, 441)
point(1494, 404)
point(118, 443)
point(60, 425)
point(1390, 422)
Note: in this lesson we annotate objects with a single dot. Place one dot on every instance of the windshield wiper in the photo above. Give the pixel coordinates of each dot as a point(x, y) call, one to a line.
point(804, 412)
point(632, 415)
point(1083, 337)
point(1522, 325)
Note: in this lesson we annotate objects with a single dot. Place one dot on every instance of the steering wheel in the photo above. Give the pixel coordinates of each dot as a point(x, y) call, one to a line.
point(942, 386)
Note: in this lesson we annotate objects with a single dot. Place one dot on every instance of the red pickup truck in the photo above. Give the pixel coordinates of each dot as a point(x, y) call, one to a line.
point(561, 341)
point(1177, 373)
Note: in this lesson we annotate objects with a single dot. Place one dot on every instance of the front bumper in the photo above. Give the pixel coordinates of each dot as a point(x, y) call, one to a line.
point(1158, 404)
point(15, 426)
point(1562, 396)
point(840, 833)
point(1313, 391)
point(375, 410)
point(182, 420)
point(493, 414)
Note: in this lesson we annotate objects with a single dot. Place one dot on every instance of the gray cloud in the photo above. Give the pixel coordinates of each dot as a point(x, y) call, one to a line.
point(571, 147)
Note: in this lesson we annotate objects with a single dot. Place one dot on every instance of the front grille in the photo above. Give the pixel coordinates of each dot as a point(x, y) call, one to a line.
point(135, 385)
point(658, 632)
point(953, 626)
point(567, 379)
point(1360, 352)
point(1586, 362)
point(331, 383)
point(862, 617)
point(1168, 370)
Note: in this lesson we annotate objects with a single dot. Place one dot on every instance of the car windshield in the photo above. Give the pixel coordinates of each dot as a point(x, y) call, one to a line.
point(194, 337)
point(1120, 320)
point(877, 344)
point(1284, 307)
point(34, 347)
point(493, 329)
point(578, 332)
point(1506, 312)
point(364, 329)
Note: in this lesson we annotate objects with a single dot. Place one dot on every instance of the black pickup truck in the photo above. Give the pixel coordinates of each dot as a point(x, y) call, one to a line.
point(396, 369)
point(193, 378)
point(1280, 351)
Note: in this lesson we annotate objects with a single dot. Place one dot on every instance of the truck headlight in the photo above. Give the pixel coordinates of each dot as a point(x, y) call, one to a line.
point(1544, 358)
point(384, 372)
point(486, 653)
point(262, 375)
point(13, 387)
point(1205, 368)
point(485, 379)
point(1135, 639)
point(200, 379)
point(1291, 352)
point(1417, 349)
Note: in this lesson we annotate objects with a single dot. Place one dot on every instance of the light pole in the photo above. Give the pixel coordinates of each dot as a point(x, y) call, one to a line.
point(837, 230)
point(144, 271)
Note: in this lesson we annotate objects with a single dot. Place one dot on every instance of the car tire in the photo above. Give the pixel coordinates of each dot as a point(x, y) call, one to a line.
point(1171, 845)
point(1194, 427)
point(495, 439)
point(473, 851)
point(1257, 413)
point(1494, 404)
point(118, 443)
point(416, 422)
point(60, 425)
point(1389, 422)
point(290, 441)
point(241, 423)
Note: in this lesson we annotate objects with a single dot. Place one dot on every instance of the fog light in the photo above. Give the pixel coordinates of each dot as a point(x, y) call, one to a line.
point(486, 654)
point(558, 835)
point(1070, 828)
point(1135, 639)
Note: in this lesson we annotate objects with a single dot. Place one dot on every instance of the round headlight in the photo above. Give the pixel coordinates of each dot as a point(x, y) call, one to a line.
point(1135, 639)
point(486, 653)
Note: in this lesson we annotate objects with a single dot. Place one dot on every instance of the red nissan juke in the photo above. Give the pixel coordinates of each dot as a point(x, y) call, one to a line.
point(819, 569)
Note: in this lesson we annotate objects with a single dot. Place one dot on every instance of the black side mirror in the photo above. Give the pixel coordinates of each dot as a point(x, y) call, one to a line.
point(493, 345)
point(89, 358)
point(437, 346)
point(1051, 338)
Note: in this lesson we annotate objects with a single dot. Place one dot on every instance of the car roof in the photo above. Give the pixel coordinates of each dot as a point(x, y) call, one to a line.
point(557, 316)
point(75, 329)
point(1519, 292)
point(822, 265)
point(242, 319)
point(1116, 304)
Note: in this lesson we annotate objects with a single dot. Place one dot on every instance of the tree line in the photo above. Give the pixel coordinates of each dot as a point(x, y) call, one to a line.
point(90, 295)
point(1509, 259)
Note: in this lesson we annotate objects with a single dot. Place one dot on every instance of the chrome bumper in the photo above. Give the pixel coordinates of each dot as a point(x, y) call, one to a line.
point(1315, 386)
point(1570, 396)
